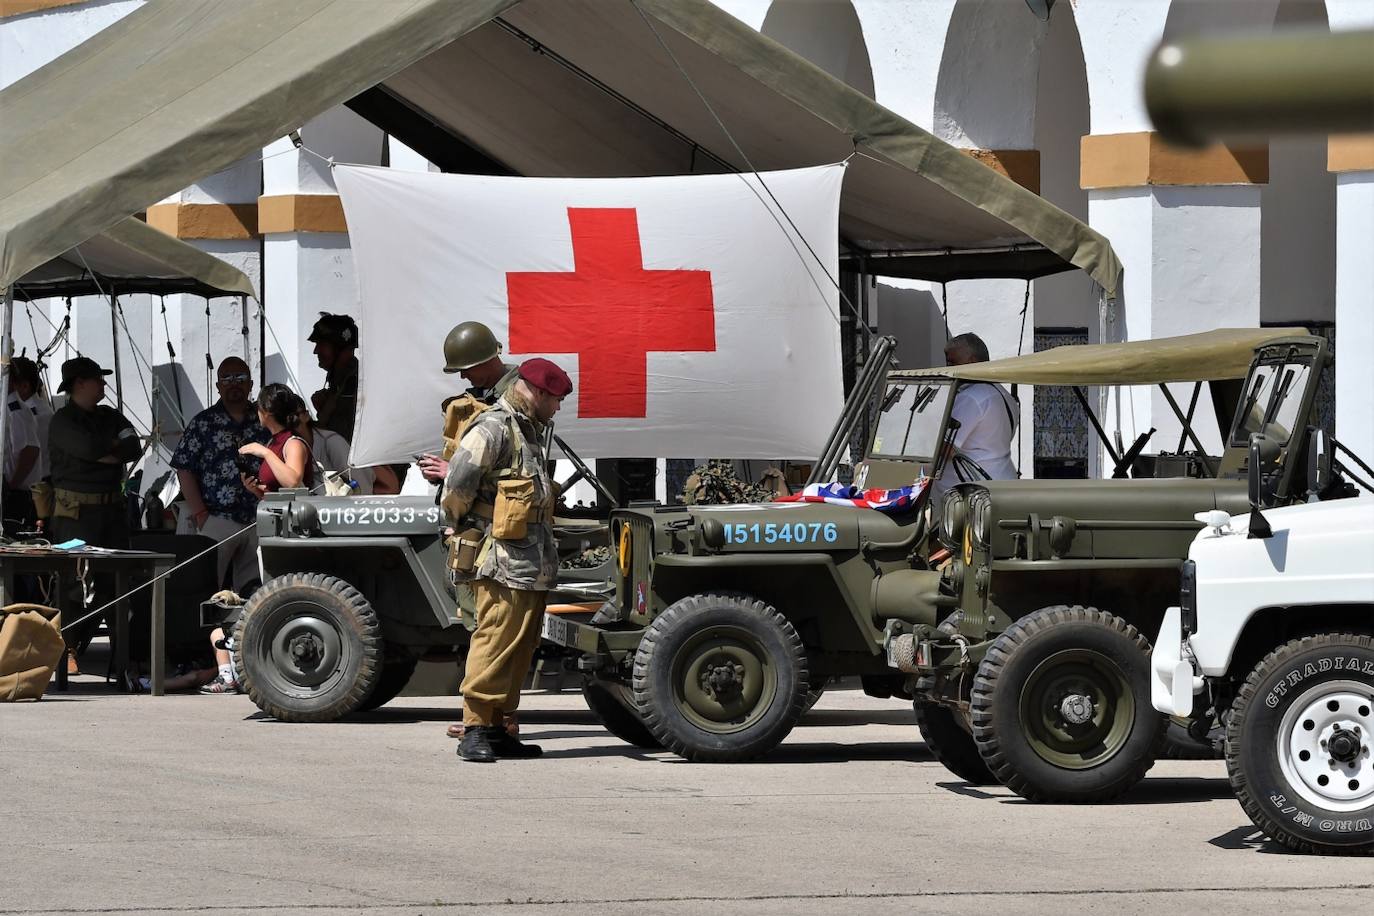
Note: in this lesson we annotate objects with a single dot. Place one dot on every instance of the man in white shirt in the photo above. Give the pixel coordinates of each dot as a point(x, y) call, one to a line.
point(22, 450)
point(988, 417)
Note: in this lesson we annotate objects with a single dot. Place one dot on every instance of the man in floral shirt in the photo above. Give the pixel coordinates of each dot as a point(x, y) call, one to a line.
point(217, 503)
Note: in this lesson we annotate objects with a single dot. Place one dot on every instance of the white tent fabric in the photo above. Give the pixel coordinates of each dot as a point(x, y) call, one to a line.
point(683, 307)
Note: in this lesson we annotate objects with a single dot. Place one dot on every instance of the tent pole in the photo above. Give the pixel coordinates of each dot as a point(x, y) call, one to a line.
point(6, 348)
point(114, 344)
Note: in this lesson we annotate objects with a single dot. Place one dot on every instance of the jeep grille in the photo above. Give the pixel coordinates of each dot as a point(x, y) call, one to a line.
point(641, 563)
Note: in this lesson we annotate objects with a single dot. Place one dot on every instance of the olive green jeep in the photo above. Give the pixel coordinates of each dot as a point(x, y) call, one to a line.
point(1016, 625)
point(357, 591)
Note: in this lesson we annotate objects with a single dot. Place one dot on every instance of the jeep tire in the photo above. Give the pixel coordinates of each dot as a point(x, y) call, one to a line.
point(396, 673)
point(720, 677)
point(1300, 745)
point(952, 744)
point(615, 716)
point(1061, 706)
point(308, 647)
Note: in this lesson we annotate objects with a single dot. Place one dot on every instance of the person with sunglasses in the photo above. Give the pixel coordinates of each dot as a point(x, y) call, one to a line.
point(215, 502)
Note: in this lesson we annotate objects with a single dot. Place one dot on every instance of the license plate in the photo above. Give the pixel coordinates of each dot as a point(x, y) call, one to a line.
point(557, 630)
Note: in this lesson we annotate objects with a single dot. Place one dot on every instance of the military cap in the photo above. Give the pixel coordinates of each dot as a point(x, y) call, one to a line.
point(79, 368)
point(336, 329)
point(546, 376)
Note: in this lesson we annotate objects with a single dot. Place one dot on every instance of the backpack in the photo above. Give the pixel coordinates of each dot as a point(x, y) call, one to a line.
point(459, 414)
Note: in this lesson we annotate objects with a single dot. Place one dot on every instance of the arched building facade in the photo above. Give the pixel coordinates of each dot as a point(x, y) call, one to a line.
point(1280, 234)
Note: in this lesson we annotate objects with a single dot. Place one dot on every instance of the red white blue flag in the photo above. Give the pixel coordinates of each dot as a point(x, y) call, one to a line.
point(838, 494)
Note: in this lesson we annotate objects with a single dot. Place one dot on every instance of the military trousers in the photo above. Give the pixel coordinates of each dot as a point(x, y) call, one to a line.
point(509, 624)
point(100, 526)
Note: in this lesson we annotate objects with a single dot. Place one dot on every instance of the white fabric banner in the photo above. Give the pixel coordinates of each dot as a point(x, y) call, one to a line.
point(692, 319)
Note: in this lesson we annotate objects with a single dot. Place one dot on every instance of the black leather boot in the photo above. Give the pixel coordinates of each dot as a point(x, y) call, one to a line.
point(476, 745)
point(504, 744)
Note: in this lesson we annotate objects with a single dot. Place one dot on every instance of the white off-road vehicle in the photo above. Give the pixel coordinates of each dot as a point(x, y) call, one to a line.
point(1275, 636)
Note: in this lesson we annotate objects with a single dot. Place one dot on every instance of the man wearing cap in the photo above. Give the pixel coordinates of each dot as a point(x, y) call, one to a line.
point(30, 413)
point(88, 445)
point(498, 484)
point(336, 404)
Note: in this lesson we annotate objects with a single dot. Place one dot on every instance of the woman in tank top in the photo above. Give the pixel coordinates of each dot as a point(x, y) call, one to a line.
point(286, 456)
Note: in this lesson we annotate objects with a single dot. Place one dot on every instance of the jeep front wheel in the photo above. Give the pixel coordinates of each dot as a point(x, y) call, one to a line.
point(309, 648)
point(1061, 706)
point(1300, 745)
point(952, 744)
point(614, 715)
point(720, 677)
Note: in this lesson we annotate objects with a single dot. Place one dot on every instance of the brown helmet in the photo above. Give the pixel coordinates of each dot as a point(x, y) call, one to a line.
point(469, 344)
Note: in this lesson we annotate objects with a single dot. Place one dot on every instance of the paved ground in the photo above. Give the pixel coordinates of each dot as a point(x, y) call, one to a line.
point(116, 804)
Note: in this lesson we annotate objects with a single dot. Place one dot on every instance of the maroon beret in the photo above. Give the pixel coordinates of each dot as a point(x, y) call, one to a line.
point(546, 376)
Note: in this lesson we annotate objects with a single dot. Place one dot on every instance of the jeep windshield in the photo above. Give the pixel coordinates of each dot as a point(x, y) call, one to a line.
point(911, 420)
point(1272, 400)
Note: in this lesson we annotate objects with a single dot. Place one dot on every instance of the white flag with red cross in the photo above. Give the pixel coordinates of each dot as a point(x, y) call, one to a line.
point(696, 315)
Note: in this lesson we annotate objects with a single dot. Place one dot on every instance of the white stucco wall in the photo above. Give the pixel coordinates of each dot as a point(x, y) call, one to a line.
point(1355, 312)
point(29, 41)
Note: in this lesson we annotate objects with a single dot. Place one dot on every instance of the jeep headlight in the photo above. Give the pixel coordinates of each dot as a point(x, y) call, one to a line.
point(952, 519)
point(980, 517)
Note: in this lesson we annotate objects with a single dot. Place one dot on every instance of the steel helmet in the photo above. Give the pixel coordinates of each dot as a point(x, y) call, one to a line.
point(469, 344)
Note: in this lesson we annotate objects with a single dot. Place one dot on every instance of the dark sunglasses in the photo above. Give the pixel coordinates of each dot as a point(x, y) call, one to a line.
point(236, 377)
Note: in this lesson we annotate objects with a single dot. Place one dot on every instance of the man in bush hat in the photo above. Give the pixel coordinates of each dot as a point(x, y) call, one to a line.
point(88, 445)
point(499, 497)
point(336, 404)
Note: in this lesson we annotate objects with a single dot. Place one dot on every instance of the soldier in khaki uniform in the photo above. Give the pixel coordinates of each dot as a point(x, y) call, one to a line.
point(472, 352)
point(88, 445)
point(499, 498)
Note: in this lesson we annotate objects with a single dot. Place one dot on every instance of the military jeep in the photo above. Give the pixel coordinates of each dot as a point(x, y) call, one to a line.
point(1016, 626)
point(356, 592)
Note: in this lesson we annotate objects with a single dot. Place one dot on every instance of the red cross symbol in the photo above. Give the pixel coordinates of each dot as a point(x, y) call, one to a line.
point(611, 312)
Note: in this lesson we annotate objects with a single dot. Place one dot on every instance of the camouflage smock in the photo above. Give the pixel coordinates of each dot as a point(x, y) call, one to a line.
point(531, 562)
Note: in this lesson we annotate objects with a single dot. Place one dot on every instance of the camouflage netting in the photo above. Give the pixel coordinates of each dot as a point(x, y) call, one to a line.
point(587, 559)
point(716, 484)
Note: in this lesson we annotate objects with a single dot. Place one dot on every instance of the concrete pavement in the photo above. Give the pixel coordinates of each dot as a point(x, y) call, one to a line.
point(190, 804)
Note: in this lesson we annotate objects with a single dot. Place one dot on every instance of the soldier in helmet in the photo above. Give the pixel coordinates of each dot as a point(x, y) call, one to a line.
point(471, 351)
point(336, 404)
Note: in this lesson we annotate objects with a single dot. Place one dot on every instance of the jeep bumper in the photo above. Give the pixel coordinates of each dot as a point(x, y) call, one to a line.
point(1173, 683)
point(600, 648)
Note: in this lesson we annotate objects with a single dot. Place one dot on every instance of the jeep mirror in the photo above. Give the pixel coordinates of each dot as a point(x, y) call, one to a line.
point(1259, 525)
point(1318, 464)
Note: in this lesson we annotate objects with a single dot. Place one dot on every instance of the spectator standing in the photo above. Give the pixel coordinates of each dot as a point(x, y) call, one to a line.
point(88, 445)
point(217, 505)
point(22, 458)
point(336, 404)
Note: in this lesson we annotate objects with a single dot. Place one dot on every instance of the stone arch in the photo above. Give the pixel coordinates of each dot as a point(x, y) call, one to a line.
point(985, 91)
point(827, 33)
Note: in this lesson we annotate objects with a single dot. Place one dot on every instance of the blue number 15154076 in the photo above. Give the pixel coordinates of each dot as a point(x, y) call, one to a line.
point(784, 533)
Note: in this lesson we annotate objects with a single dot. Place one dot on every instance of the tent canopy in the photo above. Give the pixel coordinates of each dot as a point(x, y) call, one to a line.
point(1211, 356)
point(180, 89)
point(132, 257)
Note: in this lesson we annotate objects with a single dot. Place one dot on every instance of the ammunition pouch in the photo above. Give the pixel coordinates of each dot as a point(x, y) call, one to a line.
point(515, 509)
point(462, 550)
